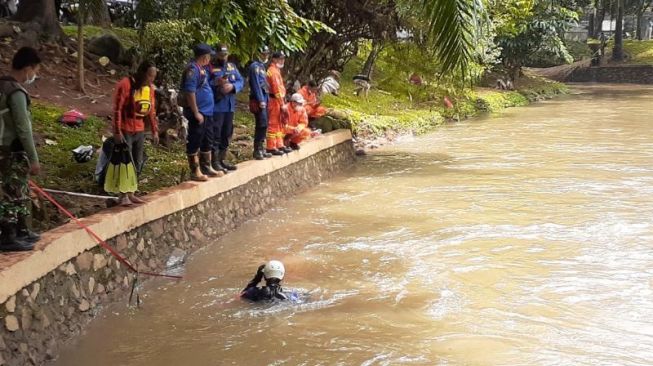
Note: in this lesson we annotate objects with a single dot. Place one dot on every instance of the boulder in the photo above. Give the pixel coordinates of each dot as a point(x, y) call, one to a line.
point(107, 45)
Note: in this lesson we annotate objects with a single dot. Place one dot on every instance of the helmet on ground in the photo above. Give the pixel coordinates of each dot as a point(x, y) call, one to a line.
point(82, 154)
point(274, 269)
point(297, 98)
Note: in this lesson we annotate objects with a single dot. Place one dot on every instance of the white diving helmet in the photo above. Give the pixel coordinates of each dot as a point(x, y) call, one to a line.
point(274, 269)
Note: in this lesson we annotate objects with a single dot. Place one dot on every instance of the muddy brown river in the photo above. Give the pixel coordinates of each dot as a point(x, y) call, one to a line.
point(524, 239)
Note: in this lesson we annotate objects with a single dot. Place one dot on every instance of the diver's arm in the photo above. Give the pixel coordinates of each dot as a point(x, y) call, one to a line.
point(257, 278)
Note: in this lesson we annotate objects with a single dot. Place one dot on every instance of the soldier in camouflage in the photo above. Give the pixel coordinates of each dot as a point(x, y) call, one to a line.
point(18, 157)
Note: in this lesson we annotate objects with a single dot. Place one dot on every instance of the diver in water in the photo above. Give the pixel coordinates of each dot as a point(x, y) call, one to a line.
point(272, 272)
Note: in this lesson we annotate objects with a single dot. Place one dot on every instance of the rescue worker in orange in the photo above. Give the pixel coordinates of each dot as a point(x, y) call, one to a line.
point(297, 128)
point(312, 106)
point(277, 108)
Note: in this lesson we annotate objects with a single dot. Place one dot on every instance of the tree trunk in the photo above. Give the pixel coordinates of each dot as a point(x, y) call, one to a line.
point(598, 23)
point(618, 50)
point(640, 21)
point(592, 25)
point(99, 16)
point(80, 52)
point(43, 13)
point(377, 46)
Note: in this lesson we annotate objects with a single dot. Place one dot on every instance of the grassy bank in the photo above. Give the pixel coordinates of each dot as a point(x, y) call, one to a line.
point(396, 107)
point(128, 36)
point(640, 52)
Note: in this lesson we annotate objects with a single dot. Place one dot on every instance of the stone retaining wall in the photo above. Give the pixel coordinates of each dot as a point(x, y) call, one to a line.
point(60, 296)
point(633, 74)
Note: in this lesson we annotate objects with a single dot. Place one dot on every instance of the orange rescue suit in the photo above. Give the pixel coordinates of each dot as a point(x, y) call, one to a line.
point(276, 116)
point(297, 128)
point(313, 107)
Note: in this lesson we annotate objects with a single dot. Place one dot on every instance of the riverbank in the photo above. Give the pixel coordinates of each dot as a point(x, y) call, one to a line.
point(48, 295)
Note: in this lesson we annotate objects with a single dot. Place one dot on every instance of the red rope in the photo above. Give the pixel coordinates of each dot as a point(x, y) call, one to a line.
point(95, 236)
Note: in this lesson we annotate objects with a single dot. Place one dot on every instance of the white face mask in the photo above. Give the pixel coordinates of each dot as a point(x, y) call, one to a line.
point(31, 80)
point(280, 65)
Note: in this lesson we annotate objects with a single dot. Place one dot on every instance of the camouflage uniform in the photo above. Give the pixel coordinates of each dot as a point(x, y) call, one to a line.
point(14, 189)
point(17, 155)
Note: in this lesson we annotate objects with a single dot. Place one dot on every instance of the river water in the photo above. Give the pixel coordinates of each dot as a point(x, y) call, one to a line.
point(525, 239)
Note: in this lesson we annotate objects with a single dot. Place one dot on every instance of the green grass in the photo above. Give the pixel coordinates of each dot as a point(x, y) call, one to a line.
point(163, 169)
point(641, 52)
point(128, 36)
point(397, 106)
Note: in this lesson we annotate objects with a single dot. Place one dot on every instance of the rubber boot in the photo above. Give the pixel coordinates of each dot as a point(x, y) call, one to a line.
point(285, 148)
point(258, 152)
point(24, 233)
point(194, 165)
point(206, 167)
point(215, 163)
point(275, 152)
point(294, 146)
point(266, 154)
point(222, 155)
point(9, 241)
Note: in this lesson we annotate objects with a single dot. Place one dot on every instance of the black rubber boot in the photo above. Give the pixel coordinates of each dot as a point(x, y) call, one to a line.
point(294, 146)
point(258, 152)
point(216, 164)
point(24, 233)
point(206, 166)
point(9, 242)
point(222, 155)
point(287, 149)
point(275, 152)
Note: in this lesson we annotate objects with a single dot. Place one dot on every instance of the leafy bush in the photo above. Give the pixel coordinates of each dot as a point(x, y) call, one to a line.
point(169, 43)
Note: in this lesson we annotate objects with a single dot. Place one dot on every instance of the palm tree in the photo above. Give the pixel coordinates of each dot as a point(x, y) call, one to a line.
point(452, 26)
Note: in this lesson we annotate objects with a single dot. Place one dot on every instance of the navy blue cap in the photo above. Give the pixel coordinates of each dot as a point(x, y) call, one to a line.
point(203, 49)
point(222, 48)
point(278, 54)
point(264, 49)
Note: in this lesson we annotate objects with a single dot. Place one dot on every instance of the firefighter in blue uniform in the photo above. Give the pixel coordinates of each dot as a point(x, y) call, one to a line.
point(197, 99)
point(226, 82)
point(258, 101)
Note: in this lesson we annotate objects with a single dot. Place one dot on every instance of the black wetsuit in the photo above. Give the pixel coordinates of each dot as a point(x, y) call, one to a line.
point(272, 290)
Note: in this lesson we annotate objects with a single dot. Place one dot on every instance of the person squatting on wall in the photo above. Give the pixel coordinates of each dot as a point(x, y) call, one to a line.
point(18, 157)
point(313, 107)
point(258, 101)
point(133, 105)
point(226, 83)
point(277, 108)
point(197, 99)
point(297, 127)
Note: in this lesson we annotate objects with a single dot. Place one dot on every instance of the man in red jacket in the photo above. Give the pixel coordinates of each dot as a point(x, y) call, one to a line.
point(133, 105)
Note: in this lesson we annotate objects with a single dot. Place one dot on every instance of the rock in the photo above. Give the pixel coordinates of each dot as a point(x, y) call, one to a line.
point(84, 261)
point(91, 285)
point(121, 243)
point(11, 323)
point(35, 291)
point(23, 348)
point(10, 305)
point(75, 291)
point(3, 345)
point(107, 45)
point(29, 38)
point(68, 269)
point(141, 245)
point(100, 289)
point(99, 262)
point(84, 306)
point(360, 152)
point(26, 319)
point(197, 235)
point(25, 293)
point(6, 30)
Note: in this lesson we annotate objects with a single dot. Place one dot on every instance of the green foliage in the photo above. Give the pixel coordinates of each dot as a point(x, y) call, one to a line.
point(246, 25)
point(169, 43)
point(534, 35)
point(641, 52)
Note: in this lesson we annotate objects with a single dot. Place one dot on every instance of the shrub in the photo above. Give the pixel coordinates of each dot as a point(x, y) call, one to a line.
point(169, 43)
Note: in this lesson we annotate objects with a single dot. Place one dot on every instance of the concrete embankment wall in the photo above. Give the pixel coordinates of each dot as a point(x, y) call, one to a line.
point(47, 296)
point(632, 74)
